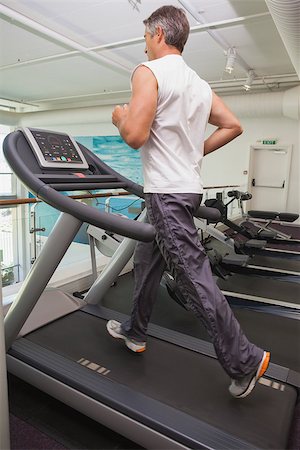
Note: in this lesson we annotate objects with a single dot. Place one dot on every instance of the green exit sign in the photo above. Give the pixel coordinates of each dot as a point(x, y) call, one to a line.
point(269, 141)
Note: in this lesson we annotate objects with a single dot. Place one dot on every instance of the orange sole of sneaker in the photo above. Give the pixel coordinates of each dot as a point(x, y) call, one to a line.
point(264, 365)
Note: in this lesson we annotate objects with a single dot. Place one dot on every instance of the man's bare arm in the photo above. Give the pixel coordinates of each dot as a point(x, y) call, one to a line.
point(228, 125)
point(135, 119)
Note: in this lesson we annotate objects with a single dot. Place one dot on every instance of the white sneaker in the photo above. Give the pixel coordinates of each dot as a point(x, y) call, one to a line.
point(242, 387)
point(114, 329)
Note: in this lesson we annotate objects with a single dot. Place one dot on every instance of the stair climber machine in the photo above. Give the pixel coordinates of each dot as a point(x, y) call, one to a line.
point(59, 343)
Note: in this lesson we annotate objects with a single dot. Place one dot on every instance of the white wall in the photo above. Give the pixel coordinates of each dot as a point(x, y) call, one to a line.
point(87, 129)
point(87, 121)
point(226, 165)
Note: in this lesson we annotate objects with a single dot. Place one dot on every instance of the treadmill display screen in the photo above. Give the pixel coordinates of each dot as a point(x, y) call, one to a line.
point(56, 148)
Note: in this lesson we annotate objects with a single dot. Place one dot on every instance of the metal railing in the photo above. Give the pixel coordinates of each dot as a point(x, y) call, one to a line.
point(25, 224)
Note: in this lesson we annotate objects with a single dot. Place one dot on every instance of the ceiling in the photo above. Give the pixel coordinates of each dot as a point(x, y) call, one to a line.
point(72, 53)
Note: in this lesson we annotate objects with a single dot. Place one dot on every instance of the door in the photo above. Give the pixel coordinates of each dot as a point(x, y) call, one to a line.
point(269, 177)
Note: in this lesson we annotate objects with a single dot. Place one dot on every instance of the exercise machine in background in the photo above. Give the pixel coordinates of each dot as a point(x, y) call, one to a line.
point(249, 238)
point(259, 223)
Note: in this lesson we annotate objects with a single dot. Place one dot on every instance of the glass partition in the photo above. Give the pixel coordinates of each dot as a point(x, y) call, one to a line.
point(8, 252)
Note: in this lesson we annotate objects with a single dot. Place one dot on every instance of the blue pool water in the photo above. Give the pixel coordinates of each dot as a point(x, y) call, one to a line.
point(116, 153)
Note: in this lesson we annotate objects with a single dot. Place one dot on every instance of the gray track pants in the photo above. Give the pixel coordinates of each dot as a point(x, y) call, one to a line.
point(178, 248)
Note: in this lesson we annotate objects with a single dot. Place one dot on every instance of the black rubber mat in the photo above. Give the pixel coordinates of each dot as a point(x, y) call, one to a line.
point(187, 381)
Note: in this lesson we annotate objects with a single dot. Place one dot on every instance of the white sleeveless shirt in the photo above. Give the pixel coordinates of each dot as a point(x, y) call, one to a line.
point(172, 156)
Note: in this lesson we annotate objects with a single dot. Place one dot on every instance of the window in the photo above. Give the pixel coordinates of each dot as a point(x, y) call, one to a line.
point(7, 180)
point(9, 269)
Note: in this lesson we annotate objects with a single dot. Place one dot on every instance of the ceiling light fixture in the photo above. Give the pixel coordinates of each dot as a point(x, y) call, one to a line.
point(249, 81)
point(231, 57)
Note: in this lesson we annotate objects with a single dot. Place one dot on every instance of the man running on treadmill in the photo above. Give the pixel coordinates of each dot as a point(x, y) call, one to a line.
point(166, 119)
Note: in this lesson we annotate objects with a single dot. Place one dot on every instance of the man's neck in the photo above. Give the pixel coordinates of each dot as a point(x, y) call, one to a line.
point(167, 50)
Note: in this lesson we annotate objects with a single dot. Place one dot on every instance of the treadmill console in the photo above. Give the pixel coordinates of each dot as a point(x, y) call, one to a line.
point(55, 150)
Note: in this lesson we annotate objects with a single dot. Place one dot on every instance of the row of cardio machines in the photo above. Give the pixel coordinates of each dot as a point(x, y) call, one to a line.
point(175, 395)
point(246, 250)
point(265, 232)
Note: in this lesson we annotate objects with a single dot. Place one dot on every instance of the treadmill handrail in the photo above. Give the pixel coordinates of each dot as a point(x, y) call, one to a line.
point(112, 222)
point(208, 213)
point(85, 213)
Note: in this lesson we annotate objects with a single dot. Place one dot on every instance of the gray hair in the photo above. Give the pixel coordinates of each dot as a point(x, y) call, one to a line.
point(174, 24)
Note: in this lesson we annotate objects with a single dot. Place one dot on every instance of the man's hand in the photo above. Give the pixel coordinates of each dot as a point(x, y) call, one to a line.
point(119, 114)
point(228, 125)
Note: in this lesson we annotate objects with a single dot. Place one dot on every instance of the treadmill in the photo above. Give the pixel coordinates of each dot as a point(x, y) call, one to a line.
point(270, 266)
point(282, 223)
point(241, 277)
point(276, 328)
point(163, 399)
point(251, 243)
point(250, 283)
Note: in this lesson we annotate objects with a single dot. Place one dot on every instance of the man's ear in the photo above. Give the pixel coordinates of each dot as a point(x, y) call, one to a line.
point(159, 33)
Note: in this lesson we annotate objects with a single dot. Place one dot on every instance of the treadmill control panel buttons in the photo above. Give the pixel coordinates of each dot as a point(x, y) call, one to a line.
point(56, 150)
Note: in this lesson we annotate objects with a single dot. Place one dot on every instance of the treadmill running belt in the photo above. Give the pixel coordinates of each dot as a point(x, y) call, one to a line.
point(280, 335)
point(276, 263)
point(180, 378)
point(262, 287)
